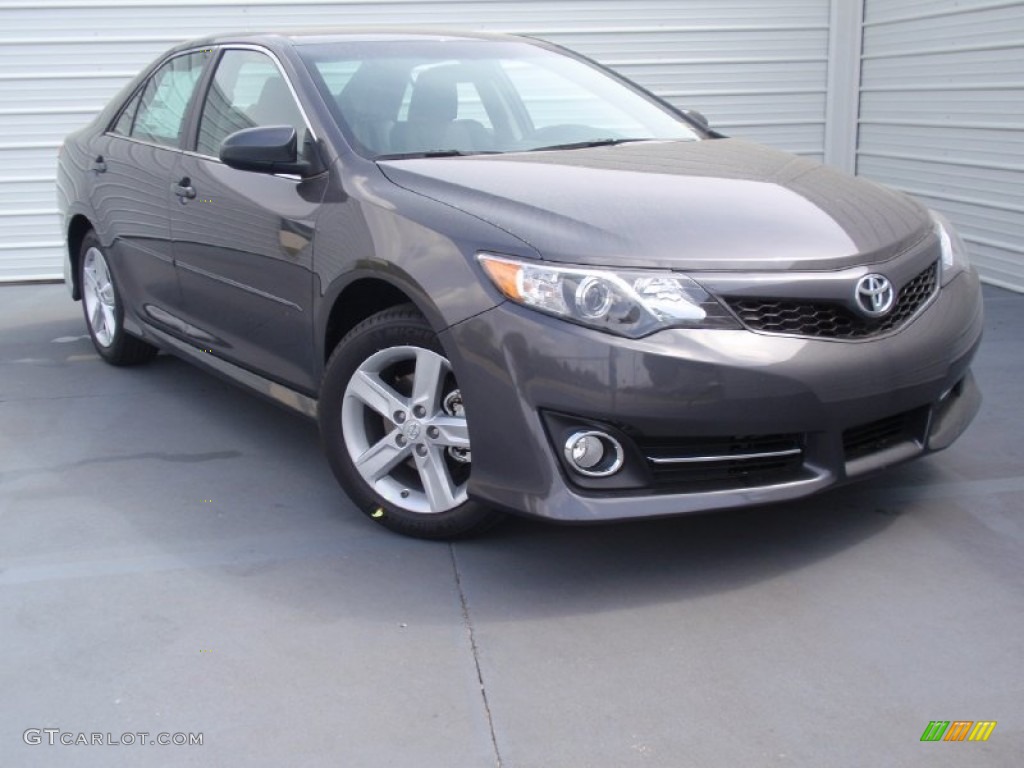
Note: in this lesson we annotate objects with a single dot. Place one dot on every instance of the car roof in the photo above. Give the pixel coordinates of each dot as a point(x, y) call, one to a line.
point(321, 35)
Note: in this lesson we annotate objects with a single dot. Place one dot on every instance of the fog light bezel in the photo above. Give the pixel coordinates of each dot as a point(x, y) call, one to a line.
point(611, 461)
point(635, 474)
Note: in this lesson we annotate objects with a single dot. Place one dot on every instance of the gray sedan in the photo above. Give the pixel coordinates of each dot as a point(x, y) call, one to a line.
point(504, 278)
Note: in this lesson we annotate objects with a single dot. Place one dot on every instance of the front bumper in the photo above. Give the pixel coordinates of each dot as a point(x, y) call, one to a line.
point(851, 407)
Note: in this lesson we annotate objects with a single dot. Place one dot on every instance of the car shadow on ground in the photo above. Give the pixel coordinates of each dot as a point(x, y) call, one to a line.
point(546, 569)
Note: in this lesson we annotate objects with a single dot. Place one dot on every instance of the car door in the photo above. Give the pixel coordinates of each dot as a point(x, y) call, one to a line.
point(243, 241)
point(133, 165)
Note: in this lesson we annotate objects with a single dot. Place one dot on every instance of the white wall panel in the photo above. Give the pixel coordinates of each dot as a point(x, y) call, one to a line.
point(942, 117)
point(986, 146)
point(28, 194)
point(756, 68)
point(25, 159)
point(68, 89)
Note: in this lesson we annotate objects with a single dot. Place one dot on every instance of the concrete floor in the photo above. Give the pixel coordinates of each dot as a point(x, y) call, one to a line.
point(176, 557)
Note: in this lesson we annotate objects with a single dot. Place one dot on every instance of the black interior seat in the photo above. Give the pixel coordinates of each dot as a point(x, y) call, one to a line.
point(433, 116)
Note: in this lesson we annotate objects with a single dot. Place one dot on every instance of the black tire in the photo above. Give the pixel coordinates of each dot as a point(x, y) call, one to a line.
point(104, 309)
point(394, 347)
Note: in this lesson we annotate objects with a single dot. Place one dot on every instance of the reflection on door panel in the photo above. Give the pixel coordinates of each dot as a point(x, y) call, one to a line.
point(243, 244)
point(134, 166)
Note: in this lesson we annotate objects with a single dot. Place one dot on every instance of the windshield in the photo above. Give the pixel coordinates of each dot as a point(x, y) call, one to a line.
point(438, 97)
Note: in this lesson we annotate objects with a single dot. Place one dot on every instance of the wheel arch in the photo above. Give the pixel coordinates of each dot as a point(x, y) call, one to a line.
point(363, 296)
point(78, 228)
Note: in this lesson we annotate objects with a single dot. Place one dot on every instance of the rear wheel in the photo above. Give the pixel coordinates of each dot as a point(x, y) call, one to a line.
point(104, 310)
point(395, 430)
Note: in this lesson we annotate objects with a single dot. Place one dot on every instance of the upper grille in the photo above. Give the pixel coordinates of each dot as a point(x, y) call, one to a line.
point(833, 320)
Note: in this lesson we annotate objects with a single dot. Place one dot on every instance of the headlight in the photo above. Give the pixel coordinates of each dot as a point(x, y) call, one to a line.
point(954, 251)
point(629, 303)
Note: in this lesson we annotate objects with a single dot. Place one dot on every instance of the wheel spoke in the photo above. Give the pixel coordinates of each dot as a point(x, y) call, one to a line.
point(107, 294)
point(90, 278)
point(96, 317)
point(453, 431)
point(108, 319)
point(435, 479)
point(426, 385)
point(377, 395)
point(381, 457)
point(102, 273)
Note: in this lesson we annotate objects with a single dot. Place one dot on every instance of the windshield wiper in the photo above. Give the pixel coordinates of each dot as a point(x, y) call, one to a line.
point(586, 144)
point(435, 153)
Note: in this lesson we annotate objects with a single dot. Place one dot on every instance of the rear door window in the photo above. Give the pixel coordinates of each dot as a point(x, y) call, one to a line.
point(164, 101)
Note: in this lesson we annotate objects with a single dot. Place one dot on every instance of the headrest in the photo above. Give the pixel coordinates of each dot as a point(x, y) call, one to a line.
point(435, 95)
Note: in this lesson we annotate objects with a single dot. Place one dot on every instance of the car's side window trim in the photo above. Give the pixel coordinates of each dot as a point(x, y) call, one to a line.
point(206, 83)
point(131, 103)
point(136, 91)
point(189, 109)
point(195, 113)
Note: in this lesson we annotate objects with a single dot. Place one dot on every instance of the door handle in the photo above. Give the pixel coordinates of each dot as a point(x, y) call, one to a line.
point(184, 189)
point(98, 165)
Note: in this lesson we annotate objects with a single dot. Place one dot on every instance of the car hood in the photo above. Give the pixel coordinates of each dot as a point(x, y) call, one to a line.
point(722, 204)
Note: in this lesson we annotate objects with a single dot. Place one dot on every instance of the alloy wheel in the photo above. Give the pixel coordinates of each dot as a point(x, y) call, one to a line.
point(405, 429)
point(98, 294)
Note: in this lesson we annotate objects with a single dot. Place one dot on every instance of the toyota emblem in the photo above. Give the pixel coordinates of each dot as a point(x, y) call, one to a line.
point(874, 295)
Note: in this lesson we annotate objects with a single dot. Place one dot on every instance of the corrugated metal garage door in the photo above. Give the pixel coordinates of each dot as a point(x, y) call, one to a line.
point(942, 117)
point(755, 68)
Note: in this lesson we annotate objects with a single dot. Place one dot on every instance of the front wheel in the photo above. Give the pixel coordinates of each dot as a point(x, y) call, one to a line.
point(395, 430)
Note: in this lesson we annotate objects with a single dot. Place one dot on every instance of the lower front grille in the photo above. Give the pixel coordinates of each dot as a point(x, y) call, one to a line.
point(831, 320)
point(879, 435)
point(722, 462)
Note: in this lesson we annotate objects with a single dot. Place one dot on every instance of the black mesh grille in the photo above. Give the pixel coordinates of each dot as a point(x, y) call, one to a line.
point(832, 320)
point(724, 472)
point(884, 433)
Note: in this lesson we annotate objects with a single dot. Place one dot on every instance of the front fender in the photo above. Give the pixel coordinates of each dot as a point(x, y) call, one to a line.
point(423, 248)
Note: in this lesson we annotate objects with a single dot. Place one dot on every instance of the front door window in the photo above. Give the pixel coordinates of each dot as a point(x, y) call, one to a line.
point(248, 90)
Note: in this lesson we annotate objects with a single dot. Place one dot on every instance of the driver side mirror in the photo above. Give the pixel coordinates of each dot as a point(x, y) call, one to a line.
point(265, 149)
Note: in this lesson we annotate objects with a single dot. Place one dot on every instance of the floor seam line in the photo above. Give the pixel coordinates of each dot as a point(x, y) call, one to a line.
point(467, 622)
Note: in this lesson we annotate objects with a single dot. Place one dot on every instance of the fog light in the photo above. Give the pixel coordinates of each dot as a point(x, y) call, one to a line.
point(594, 454)
point(586, 451)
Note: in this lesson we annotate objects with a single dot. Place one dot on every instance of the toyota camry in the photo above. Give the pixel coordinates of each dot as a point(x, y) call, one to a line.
point(506, 279)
